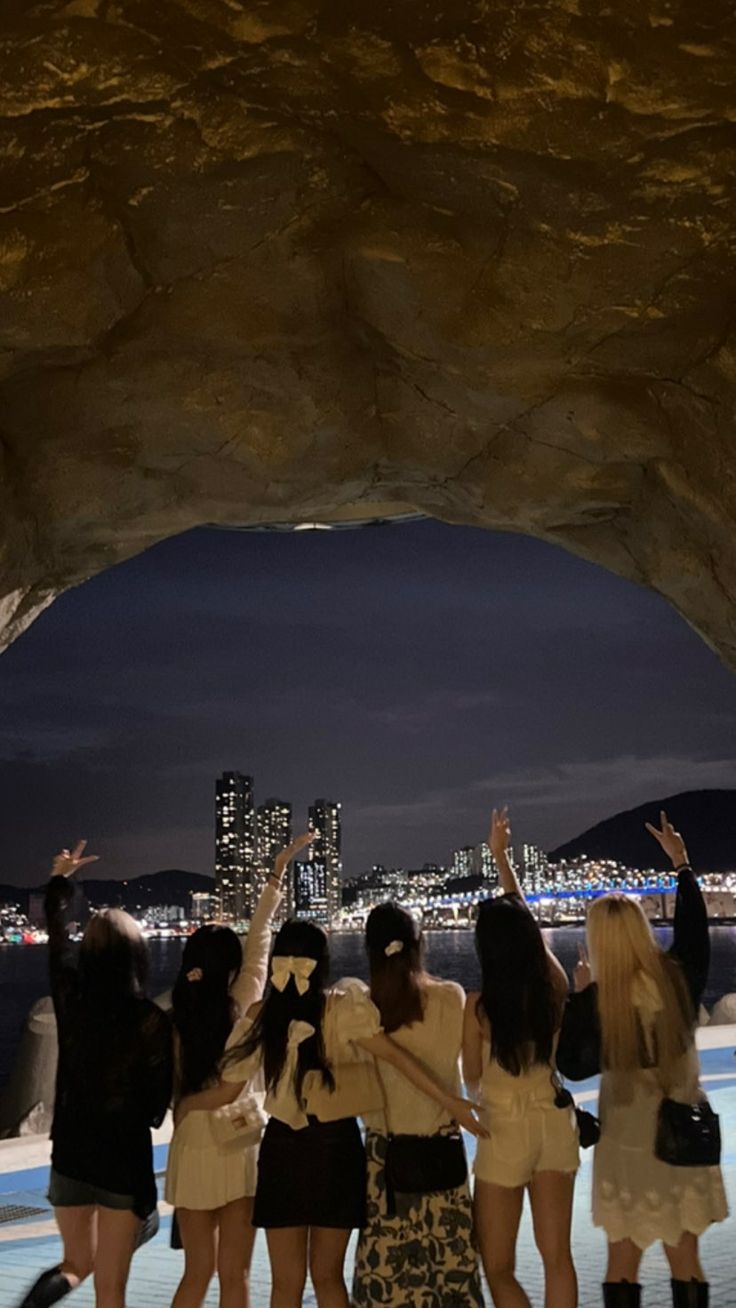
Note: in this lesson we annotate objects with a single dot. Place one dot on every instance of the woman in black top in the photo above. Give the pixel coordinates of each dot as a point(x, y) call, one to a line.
point(635, 1022)
point(113, 1084)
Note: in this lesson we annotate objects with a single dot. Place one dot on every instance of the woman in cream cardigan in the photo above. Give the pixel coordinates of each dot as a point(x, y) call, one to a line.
point(315, 1046)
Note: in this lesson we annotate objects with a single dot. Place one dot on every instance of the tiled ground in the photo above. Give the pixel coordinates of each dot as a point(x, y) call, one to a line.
point(27, 1247)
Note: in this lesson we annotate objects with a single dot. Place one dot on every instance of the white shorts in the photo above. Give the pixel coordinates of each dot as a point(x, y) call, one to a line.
point(539, 1138)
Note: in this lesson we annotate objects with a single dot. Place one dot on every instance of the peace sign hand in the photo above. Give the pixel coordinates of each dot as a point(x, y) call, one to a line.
point(499, 837)
point(69, 861)
point(671, 841)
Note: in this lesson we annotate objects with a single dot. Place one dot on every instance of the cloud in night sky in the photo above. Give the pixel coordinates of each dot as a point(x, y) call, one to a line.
point(419, 673)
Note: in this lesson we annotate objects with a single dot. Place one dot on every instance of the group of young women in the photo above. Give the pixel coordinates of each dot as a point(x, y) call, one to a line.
point(262, 1039)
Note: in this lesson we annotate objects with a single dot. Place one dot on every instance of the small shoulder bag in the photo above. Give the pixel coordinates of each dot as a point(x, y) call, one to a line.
point(688, 1135)
point(421, 1164)
point(240, 1123)
point(589, 1127)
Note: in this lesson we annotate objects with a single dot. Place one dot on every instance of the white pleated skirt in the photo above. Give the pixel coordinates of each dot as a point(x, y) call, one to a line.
point(202, 1173)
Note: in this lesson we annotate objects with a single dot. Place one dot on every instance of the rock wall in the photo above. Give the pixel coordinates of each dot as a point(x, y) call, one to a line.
point(286, 260)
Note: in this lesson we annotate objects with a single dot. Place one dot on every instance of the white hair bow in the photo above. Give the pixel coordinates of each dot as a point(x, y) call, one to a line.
point(283, 966)
point(395, 947)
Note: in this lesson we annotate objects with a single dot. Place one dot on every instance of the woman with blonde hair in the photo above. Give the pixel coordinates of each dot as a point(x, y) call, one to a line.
point(633, 1017)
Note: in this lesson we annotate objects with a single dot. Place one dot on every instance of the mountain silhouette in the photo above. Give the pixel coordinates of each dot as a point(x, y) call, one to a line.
point(171, 886)
point(705, 818)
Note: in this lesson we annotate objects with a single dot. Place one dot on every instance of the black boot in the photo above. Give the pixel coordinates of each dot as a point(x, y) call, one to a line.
point(621, 1294)
point(690, 1294)
point(48, 1289)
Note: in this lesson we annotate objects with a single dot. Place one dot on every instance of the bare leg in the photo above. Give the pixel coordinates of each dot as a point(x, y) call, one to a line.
point(198, 1232)
point(287, 1252)
point(684, 1259)
point(624, 1258)
point(78, 1230)
point(117, 1235)
point(327, 1249)
point(234, 1252)
point(497, 1216)
point(551, 1199)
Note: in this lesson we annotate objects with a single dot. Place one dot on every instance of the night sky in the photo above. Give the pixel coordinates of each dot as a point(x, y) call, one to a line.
point(419, 673)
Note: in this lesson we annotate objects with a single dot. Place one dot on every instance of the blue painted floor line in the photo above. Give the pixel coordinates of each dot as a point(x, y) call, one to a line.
point(157, 1268)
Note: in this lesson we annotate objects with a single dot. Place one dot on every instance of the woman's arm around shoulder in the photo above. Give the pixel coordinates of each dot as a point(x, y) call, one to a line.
point(462, 1110)
point(472, 1057)
point(216, 1096)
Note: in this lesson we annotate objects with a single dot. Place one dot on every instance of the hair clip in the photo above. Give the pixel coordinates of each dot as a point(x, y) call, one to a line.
point(395, 947)
point(195, 974)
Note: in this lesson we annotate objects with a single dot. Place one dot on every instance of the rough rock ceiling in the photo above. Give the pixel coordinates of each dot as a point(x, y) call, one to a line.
point(291, 260)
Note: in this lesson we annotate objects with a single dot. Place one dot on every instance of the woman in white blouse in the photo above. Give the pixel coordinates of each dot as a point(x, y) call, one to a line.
point(211, 1184)
point(419, 1228)
point(315, 1045)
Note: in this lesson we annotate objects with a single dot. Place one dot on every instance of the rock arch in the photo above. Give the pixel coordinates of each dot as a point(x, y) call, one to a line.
point(293, 259)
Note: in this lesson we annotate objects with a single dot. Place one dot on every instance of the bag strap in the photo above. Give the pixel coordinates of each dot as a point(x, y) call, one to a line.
point(384, 1096)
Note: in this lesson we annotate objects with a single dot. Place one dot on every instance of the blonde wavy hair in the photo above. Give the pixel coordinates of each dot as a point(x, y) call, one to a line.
point(626, 961)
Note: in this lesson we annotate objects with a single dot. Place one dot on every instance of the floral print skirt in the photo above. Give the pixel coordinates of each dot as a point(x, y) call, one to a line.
point(425, 1256)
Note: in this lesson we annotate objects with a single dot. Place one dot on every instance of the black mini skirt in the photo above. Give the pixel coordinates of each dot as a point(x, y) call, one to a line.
point(312, 1177)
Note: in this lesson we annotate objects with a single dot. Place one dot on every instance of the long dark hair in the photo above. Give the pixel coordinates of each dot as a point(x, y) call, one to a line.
point(203, 1010)
point(270, 1031)
point(101, 1044)
point(518, 996)
point(396, 977)
point(113, 961)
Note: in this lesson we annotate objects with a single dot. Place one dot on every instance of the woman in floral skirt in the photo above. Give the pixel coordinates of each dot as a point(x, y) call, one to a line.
point(416, 1250)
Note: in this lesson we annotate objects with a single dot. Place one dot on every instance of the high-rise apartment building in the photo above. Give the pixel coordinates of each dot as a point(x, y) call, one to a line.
point(536, 868)
point(325, 818)
point(462, 862)
point(311, 891)
point(235, 845)
point(483, 864)
point(273, 835)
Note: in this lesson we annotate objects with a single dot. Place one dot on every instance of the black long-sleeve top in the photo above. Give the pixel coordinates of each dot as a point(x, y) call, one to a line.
point(579, 1049)
point(115, 1071)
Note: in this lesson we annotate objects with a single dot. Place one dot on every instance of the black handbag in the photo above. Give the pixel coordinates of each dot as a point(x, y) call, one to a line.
point(688, 1135)
point(589, 1127)
point(424, 1164)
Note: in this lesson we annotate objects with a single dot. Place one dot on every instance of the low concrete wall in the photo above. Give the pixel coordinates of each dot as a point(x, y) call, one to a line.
point(27, 1102)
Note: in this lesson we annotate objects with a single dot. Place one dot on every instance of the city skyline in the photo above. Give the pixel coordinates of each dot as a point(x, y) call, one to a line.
point(421, 673)
point(248, 838)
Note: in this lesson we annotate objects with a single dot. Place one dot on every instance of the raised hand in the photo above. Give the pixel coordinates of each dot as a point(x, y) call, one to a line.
point(671, 841)
point(283, 859)
point(582, 975)
point(69, 861)
point(499, 837)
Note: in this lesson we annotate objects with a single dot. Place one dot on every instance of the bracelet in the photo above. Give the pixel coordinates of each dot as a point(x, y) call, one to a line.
point(683, 867)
